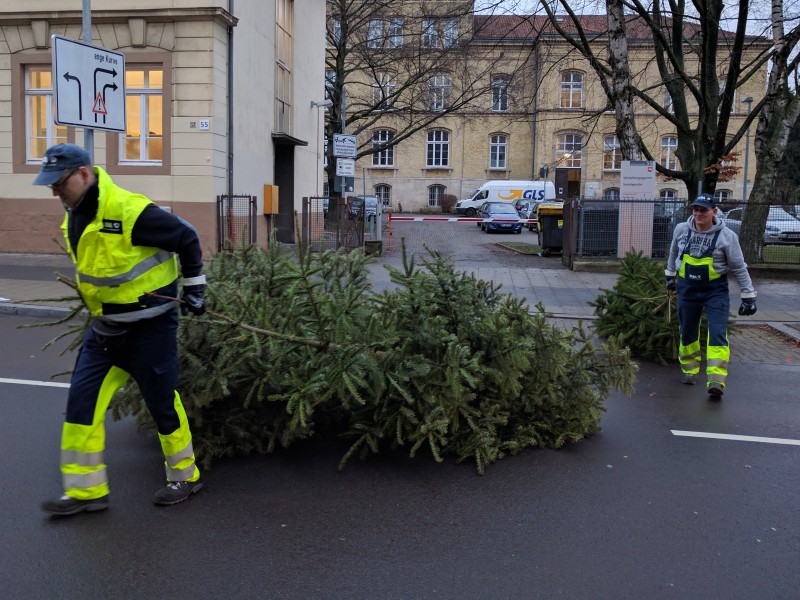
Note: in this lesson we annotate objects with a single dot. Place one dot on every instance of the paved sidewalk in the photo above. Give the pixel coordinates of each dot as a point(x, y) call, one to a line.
point(565, 294)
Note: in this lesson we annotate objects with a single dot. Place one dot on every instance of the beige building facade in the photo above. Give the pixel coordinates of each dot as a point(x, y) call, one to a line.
point(551, 121)
point(218, 101)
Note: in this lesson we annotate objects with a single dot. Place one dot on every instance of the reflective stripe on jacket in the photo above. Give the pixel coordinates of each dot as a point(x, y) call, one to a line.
point(699, 270)
point(112, 274)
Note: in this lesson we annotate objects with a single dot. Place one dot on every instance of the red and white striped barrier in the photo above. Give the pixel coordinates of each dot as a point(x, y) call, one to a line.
point(466, 219)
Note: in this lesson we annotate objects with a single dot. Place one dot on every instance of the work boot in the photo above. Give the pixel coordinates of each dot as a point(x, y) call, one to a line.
point(176, 491)
point(715, 390)
point(688, 379)
point(66, 506)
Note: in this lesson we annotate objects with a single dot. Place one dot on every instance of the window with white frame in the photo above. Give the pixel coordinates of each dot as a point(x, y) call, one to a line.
point(437, 150)
point(325, 153)
point(569, 149)
point(396, 26)
point(611, 194)
point(668, 194)
point(668, 103)
point(382, 157)
point(612, 155)
point(669, 147)
point(572, 89)
point(330, 81)
point(143, 141)
point(336, 31)
point(375, 33)
point(450, 33)
point(722, 196)
point(430, 33)
point(500, 94)
point(440, 86)
point(41, 132)
point(383, 88)
point(435, 193)
point(498, 150)
point(384, 194)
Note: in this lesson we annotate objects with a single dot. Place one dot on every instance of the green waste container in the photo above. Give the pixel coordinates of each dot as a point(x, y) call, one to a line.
point(551, 227)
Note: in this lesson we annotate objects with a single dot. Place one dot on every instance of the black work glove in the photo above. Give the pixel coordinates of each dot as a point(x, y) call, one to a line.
point(748, 307)
point(670, 282)
point(192, 300)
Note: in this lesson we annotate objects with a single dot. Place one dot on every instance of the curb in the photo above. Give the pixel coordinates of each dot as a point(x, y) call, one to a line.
point(30, 310)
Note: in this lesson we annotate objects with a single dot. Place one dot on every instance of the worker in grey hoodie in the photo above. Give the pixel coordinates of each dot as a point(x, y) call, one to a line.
point(703, 252)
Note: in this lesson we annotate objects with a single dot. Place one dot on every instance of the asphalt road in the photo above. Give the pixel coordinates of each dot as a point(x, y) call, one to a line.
point(633, 512)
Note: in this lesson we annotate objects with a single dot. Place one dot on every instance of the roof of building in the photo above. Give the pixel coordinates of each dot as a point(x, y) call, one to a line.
point(528, 27)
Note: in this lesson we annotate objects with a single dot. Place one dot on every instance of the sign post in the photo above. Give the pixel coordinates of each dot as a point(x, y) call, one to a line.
point(637, 191)
point(89, 85)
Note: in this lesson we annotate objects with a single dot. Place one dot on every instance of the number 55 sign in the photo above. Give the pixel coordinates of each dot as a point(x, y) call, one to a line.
point(89, 85)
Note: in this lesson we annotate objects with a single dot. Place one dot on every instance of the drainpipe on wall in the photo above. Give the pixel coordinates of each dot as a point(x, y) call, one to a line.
point(230, 101)
point(535, 114)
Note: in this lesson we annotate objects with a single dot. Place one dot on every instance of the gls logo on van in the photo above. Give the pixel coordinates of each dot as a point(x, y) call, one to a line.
point(524, 194)
point(533, 195)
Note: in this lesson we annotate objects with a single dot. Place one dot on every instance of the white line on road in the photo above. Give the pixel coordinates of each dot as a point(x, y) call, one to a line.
point(30, 382)
point(740, 438)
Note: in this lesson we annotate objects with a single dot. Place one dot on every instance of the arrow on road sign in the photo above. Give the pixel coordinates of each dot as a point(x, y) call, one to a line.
point(104, 112)
point(67, 77)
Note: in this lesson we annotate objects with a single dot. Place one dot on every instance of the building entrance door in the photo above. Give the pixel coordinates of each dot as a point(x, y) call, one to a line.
point(568, 183)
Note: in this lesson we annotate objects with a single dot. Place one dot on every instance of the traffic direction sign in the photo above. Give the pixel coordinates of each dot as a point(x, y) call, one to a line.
point(89, 85)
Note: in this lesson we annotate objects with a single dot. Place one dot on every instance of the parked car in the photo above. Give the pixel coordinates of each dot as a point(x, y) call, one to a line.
point(527, 210)
point(499, 210)
point(781, 228)
point(366, 206)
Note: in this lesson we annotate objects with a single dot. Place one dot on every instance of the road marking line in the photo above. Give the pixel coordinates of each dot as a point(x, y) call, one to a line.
point(740, 438)
point(30, 382)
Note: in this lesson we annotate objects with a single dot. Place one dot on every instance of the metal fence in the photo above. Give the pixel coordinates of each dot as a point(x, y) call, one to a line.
point(349, 223)
point(609, 229)
point(236, 221)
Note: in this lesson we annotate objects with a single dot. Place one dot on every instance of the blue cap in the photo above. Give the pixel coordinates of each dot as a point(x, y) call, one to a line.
point(705, 201)
point(58, 159)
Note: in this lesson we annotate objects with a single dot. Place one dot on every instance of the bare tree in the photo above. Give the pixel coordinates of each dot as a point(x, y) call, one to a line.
point(778, 114)
point(687, 50)
point(405, 65)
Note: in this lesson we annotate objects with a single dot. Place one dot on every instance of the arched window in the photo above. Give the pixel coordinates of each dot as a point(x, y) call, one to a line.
point(569, 147)
point(611, 194)
point(571, 89)
point(722, 196)
point(384, 193)
point(668, 194)
point(435, 192)
point(498, 151)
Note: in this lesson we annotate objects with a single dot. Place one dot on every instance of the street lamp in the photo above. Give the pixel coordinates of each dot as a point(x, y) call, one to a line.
point(321, 104)
point(749, 102)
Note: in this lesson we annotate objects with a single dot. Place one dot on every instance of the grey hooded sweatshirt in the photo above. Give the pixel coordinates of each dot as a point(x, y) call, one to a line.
point(727, 256)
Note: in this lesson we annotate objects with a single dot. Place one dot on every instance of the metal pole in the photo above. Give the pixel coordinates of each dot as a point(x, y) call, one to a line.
point(88, 134)
point(749, 102)
point(344, 125)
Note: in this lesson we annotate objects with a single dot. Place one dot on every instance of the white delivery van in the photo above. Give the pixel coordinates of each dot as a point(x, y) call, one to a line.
point(503, 190)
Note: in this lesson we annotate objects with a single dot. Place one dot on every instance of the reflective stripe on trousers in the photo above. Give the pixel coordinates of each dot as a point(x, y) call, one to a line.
point(83, 469)
point(179, 460)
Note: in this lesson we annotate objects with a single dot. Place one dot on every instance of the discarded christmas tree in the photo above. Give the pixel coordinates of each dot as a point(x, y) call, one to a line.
point(639, 312)
point(300, 347)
